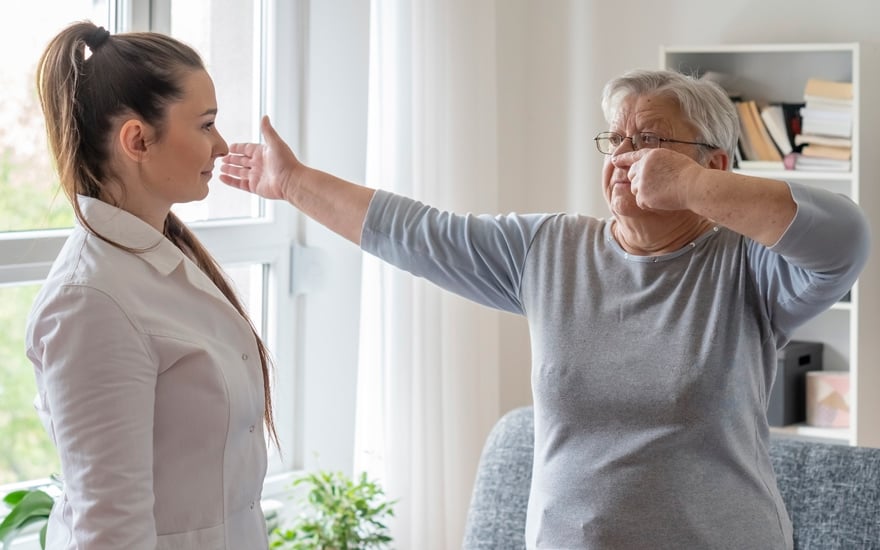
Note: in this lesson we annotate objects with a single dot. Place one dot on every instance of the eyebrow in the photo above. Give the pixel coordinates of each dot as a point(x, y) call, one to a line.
point(209, 112)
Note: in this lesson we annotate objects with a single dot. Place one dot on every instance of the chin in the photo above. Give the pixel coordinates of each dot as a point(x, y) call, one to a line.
point(625, 207)
point(200, 192)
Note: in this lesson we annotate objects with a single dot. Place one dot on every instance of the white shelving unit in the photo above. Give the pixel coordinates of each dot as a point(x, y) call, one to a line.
point(778, 72)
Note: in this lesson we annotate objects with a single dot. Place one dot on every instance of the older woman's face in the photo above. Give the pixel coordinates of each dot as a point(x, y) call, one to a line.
point(638, 114)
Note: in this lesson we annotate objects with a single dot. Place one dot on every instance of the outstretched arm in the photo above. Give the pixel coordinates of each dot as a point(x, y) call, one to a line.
point(271, 170)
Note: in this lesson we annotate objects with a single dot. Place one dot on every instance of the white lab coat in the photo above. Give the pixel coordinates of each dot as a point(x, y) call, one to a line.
point(150, 384)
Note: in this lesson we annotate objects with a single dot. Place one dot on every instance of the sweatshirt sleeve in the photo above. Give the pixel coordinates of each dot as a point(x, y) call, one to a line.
point(815, 262)
point(96, 381)
point(479, 257)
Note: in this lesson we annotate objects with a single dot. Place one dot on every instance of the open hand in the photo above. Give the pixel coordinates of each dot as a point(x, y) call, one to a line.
point(265, 169)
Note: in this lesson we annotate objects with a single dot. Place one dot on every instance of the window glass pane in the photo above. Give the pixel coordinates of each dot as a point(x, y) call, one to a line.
point(247, 281)
point(26, 452)
point(29, 195)
point(225, 33)
point(250, 283)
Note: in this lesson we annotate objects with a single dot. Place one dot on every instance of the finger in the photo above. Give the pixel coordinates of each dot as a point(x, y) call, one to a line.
point(238, 183)
point(244, 149)
point(232, 170)
point(269, 131)
point(628, 158)
point(234, 159)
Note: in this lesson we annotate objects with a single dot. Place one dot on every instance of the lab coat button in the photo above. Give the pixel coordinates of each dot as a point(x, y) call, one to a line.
point(244, 356)
point(251, 428)
point(252, 505)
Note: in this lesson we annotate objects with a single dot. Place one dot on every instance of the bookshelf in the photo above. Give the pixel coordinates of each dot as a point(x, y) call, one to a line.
point(849, 331)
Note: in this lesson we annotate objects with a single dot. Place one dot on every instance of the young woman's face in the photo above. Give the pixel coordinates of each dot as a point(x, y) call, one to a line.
point(182, 160)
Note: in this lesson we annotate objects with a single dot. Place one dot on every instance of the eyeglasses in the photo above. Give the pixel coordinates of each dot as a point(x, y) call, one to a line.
point(608, 142)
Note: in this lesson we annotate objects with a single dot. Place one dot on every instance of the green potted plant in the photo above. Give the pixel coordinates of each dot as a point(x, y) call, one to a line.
point(337, 513)
point(28, 506)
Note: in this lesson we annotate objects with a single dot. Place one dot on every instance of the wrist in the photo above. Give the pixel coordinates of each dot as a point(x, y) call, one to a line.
point(292, 184)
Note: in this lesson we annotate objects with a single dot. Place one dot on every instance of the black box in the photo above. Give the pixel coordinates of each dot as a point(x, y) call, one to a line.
point(787, 403)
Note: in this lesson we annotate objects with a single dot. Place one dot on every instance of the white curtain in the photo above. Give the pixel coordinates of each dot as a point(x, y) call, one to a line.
point(428, 380)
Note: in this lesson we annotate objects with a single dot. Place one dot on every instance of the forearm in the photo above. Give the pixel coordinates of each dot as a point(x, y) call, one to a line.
point(758, 208)
point(338, 204)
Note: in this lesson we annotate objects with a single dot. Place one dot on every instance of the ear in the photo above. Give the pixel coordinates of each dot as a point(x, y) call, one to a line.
point(719, 160)
point(133, 139)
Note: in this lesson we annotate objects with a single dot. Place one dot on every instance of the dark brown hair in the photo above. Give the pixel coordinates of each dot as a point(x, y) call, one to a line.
point(139, 74)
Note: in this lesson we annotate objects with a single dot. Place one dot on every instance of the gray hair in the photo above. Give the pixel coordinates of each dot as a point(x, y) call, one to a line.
point(704, 103)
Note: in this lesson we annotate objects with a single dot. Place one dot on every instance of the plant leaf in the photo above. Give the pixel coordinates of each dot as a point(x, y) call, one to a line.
point(33, 506)
point(15, 497)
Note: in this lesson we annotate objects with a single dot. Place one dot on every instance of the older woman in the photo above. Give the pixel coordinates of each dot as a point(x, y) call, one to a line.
point(654, 332)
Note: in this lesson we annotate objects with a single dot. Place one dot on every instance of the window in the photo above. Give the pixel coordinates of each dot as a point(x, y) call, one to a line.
point(249, 238)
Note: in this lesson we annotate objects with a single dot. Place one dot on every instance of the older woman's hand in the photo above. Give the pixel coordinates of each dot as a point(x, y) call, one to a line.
point(660, 178)
point(264, 169)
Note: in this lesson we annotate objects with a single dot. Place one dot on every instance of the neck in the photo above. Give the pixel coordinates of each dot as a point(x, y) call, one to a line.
point(661, 237)
point(134, 201)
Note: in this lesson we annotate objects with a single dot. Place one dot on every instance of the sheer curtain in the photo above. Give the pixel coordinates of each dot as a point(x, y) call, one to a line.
point(428, 374)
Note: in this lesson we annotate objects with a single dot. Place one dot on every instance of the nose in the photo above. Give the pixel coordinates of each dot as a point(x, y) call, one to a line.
point(221, 148)
point(632, 145)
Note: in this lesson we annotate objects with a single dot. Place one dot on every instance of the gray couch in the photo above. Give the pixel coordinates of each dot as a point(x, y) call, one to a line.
point(832, 492)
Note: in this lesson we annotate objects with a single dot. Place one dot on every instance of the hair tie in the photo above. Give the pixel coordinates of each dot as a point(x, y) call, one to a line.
point(96, 38)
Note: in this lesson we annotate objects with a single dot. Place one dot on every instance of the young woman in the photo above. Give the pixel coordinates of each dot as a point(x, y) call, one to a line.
point(151, 378)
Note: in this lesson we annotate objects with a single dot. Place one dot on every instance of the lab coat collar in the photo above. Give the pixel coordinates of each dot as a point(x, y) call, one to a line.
point(128, 230)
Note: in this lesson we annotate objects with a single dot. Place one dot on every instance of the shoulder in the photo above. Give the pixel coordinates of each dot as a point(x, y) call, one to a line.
point(89, 275)
point(562, 227)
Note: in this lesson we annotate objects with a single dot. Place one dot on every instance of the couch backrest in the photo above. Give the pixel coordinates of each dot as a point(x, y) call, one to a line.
point(497, 515)
point(832, 492)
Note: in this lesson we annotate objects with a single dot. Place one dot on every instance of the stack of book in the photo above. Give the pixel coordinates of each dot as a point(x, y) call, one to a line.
point(767, 134)
point(826, 131)
point(768, 130)
point(757, 149)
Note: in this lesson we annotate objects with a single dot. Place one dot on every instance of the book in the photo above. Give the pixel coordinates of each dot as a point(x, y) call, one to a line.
point(827, 151)
point(818, 164)
point(829, 89)
point(828, 123)
point(759, 135)
point(774, 120)
point(832, 115)
point(759, 165)
point(831, 105)
point(792, 114)
point(803, 139)
point(745, 140)
point(827, 108)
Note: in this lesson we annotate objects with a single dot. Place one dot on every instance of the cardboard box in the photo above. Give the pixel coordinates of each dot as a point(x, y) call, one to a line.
point(828, 399)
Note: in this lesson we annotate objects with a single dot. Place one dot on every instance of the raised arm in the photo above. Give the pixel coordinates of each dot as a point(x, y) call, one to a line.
point(271, 170)
point(759, 208)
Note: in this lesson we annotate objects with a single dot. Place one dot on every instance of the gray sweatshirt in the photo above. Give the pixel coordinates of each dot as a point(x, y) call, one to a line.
point(650, 375)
